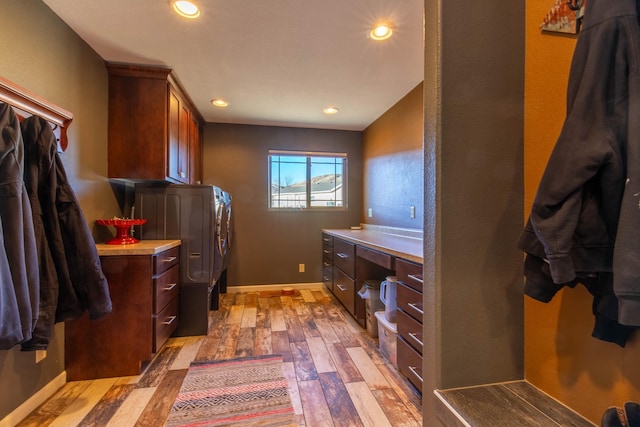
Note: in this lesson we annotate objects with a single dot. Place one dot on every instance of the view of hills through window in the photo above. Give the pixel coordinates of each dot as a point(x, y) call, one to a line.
point(299, 182)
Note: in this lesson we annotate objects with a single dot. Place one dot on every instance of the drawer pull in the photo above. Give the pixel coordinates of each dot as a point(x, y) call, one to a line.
point(326, 264)
point(170, 320)
point(325, 278)
point(326, 251)
point(342, 255)
point(170, 259)
point(416, 277)
point(342, 288)
point(326, 239)
point(415, 337)
point(416, 307)
point(171, 286)
point(414, 371)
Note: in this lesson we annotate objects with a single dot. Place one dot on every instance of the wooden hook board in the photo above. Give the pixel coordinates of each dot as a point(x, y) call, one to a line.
point(27, 103)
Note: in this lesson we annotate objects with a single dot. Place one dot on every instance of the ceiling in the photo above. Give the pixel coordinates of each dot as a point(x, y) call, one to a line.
point(278, 62)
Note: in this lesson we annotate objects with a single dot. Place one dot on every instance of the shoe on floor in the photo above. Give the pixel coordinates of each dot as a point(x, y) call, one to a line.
point(614, 417)
point(632, 412)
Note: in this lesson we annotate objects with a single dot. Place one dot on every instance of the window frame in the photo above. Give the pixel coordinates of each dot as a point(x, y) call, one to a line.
point(308, 193)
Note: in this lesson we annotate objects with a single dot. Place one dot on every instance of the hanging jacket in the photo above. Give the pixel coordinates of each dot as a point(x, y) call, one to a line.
point(576, 220)
point(71, 276)
point(626, 259)
point(19, 283)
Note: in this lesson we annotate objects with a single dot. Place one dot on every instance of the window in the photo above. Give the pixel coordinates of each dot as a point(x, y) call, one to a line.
point(301, 180)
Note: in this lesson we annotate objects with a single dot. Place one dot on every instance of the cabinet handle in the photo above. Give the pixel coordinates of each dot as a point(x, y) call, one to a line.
point(339, 286)
point(414, 371)
point(169, 259)
point(326, 264)
point(415, 337)
point(326, 239)
point(171, 286)
point(343, 256)
point(325, 278)
point(326, 251)
point(170, 320)
point(416, 307)
point(417, 278)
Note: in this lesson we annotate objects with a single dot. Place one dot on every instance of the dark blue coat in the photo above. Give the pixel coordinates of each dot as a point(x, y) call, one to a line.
point(19, 284)
point(71, 277)
point(585, 222)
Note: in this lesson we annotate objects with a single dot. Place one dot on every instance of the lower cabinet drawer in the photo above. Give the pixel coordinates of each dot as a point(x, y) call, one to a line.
point(165, 288)
point(164, 323)
point(410, 330)
point(165, 260)
point(344, 288)
point(327, 276)
point(409, 273)
point(344, 256)
point(409, 301)
point(410, 363)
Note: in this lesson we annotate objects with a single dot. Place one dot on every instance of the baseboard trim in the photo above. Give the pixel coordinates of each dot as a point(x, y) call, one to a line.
point(317, 286)
point(37, 399)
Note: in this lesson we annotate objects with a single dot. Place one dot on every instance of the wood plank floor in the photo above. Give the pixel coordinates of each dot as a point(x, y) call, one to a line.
point(337, 375)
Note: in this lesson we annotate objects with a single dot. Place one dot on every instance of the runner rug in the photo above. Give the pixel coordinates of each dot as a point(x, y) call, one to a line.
point(248, 391)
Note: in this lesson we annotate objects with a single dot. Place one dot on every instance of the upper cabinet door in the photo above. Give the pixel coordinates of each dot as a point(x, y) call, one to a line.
point(195, 150)
point(178, 154)
point(150, 121)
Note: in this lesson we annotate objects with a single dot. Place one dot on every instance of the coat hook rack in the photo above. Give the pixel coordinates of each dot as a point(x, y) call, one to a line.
point(28, 103)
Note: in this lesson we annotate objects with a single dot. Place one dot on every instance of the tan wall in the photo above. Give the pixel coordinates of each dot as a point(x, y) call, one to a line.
point(269, 244)
point(561, 357)
point(43, 55)
point(392, 164)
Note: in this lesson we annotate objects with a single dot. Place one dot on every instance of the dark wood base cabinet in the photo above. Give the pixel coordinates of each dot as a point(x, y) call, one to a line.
point(347, 266)
point(144, 294)
point(410, 315)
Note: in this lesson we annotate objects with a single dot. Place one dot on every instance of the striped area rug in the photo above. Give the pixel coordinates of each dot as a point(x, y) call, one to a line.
point(248, 391)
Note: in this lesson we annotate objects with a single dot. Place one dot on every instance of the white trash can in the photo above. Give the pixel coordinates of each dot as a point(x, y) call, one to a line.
point(388, 332)
point(370, 292)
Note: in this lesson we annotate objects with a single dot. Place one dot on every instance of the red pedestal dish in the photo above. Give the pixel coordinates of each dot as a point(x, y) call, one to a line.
point(122, 226)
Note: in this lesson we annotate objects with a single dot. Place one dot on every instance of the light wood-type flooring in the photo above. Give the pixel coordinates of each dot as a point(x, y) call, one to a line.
point(337, 375)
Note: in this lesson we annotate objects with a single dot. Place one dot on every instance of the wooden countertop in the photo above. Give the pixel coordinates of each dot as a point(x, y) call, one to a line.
point(407, 245)
point(144, 247)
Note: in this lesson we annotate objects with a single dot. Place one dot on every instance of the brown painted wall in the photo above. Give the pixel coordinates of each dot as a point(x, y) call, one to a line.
point(561, 357)
point(392, 153)
point(42, 54)
point(269, 245)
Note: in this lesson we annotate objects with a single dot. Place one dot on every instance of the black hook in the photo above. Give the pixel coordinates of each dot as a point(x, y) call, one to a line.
point(574, 4)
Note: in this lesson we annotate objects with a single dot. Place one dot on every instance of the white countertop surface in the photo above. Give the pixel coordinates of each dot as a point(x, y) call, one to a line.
point(144, 247)
point(407, 246)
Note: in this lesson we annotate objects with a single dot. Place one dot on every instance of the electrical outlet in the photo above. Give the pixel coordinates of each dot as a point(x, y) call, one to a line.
point(41, 355)
point(413, 211)
point(300, 268)
point(370, 212)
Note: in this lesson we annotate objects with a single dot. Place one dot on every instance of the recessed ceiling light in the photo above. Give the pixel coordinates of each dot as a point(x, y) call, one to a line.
point(331, 110)
point(381, 31)
point(220, 103)
point(186, 8)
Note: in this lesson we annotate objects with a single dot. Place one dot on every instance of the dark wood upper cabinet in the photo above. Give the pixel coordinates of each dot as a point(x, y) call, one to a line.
point(154, 129)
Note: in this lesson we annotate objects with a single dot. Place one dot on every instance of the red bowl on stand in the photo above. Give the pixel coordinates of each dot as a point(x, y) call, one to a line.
point(122, 225)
